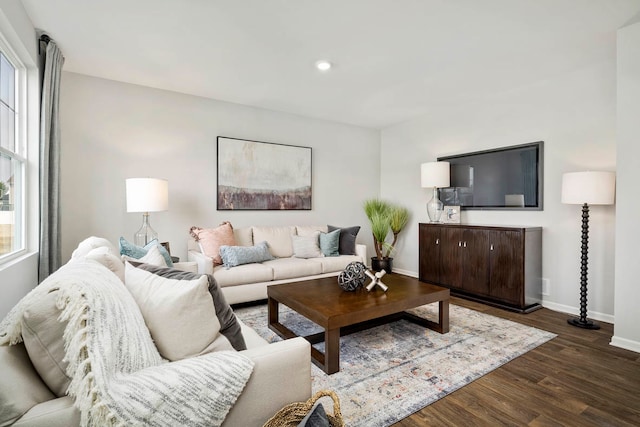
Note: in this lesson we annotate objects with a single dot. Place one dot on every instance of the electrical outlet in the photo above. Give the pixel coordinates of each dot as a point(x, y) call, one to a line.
point(546, 286)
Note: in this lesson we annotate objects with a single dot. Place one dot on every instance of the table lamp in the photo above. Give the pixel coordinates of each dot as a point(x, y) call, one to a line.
point(434, 175)
point(146, 195)
point(587, 188)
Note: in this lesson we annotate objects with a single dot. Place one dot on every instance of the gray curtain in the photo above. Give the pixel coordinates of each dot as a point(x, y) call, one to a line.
point(51, 61)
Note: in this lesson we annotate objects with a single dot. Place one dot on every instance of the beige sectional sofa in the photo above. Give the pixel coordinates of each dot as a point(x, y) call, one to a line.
point(248, 282)
point(27, 397)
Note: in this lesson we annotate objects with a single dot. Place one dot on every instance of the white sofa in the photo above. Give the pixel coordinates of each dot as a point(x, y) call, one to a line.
point(245, 283)
point(26, 400)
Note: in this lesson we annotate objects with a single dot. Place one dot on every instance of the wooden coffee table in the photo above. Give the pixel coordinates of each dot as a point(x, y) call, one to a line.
point(339, 312)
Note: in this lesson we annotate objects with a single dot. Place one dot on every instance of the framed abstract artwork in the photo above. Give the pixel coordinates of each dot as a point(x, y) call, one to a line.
point(254, 175)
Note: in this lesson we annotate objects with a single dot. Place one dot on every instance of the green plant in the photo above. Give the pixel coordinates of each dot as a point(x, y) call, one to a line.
point(3, 189)
point(385, 217)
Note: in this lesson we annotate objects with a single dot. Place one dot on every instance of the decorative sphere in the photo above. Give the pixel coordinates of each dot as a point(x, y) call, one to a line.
point(353, 276)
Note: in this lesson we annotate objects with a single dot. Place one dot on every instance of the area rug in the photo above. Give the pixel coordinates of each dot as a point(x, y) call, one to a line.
point(391, 371)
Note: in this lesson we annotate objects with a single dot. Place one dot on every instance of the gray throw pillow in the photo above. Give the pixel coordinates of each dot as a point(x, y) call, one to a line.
point(348, 235)
point(330, 243)
point(232, 256)
point(229, 326)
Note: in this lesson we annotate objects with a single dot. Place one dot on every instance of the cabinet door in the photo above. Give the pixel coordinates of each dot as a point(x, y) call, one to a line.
point(429, 253)
point(450, 259)
point(506, 276)
point(475, 261)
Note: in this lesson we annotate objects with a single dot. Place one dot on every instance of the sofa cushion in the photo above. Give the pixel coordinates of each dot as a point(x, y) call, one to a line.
point(211, 239)
point(93, 242)
point(278, 238)
point(153, 257)
point(333, 264)
point(129, 249)
point(288, 268)
point(229, 325)
point(347, 239)
point(20, 386)
point(330, 243)
point(42, 337)
point(180, 314)
point(243, 236)
point(233, 256)
point(305, 230)
point(242, 274)
point(307, 246)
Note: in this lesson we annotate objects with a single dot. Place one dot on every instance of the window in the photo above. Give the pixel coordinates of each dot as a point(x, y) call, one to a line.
point(12, 161)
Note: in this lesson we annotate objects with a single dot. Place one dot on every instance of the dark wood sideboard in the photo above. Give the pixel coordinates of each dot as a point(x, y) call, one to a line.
point(501, 266)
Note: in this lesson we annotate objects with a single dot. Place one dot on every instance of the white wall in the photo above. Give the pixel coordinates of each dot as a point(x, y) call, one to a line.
point(627, 326)
point(20, 275)
point(574, 114)
point(112, 131)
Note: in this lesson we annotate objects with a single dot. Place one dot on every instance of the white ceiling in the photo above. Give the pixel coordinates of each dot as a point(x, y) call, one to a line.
point(394, 59)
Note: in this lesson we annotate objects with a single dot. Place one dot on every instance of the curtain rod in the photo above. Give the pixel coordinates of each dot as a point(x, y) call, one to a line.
point(43, 38)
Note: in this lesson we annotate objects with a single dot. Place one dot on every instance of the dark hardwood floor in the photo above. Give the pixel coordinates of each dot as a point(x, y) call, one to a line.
point(576, 379)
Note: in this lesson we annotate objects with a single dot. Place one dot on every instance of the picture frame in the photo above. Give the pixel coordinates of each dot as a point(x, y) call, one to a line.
point(256, 175)
point(451, 215)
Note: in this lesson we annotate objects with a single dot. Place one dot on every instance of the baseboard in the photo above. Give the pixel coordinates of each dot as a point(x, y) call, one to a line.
point(406, 272)
point(625, 343)
point(594, 315)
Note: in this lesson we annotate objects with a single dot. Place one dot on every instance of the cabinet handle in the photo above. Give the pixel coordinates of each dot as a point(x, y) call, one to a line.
point(459, 243)
point(464, 245)
point(437, 241)
point(491, 247)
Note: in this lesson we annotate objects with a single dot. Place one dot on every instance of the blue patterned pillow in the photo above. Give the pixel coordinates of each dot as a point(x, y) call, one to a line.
point(330, 242)
point(129, 249)
point(238, 255)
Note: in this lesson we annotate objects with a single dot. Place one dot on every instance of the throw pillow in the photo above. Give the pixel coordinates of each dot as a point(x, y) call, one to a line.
point(104, 256)
point(306, 246)
point(180, 314)
point(211, 239)
point(129, 249)
point(42, 335)
point(347, 239)
point(305, 230)
point(229, 325)
point(237, 255)
point(330, 243)
point(90, 243)
point(153, 257)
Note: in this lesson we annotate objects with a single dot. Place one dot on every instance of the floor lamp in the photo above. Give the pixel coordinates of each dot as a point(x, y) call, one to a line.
point(587, 188)
point(434, 175)
point(146, 195)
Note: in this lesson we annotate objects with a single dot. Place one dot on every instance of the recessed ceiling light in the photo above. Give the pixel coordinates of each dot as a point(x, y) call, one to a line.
point(323, 65)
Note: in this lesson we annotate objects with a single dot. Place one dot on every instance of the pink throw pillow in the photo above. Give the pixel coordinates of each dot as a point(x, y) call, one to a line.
point(211, 239)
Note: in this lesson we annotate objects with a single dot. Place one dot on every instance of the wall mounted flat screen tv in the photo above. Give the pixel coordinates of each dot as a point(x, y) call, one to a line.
point(508, 178)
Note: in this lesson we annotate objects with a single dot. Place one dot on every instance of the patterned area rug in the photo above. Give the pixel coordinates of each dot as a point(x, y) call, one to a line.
point(391, 371)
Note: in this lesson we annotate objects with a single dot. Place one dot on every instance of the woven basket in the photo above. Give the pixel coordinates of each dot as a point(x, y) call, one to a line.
point(293, 413)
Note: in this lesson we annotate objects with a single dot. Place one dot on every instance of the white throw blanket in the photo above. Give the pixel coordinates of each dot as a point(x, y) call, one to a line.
point(118, 376)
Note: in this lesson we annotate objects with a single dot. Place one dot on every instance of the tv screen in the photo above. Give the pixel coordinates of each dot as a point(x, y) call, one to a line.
point(507, 178)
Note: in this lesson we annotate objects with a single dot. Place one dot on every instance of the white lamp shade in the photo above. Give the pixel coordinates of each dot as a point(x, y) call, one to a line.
point(593, 188)
point(147, 195)
point(434, 174)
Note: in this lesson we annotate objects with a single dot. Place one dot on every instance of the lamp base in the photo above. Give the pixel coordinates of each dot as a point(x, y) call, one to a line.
point(587, 324)
point(435, 207)
point(146, 234)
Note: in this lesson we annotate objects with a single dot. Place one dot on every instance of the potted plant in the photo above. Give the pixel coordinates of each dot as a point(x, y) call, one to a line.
point(385, 218)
